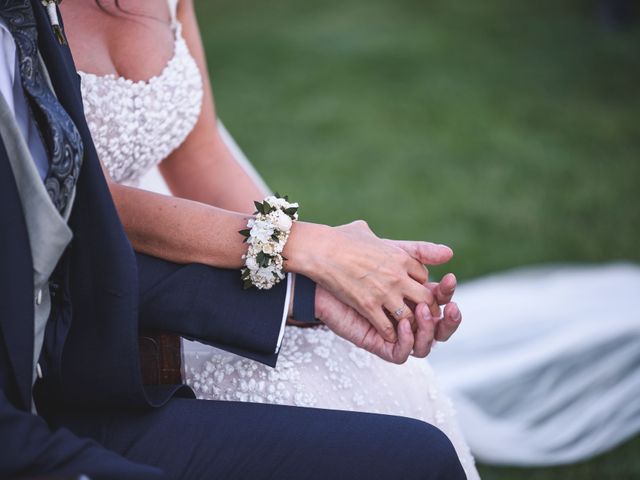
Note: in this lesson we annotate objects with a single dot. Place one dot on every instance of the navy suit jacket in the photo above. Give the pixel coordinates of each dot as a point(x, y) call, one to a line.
point(105, 294)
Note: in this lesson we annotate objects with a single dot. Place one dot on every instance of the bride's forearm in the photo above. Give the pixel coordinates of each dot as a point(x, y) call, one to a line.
point(179, 230)
point(186, 231)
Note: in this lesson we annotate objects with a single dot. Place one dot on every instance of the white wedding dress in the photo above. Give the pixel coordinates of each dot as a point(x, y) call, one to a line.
point(135, 125)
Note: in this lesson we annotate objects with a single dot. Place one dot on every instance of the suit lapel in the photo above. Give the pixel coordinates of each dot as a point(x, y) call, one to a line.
point(16, 281)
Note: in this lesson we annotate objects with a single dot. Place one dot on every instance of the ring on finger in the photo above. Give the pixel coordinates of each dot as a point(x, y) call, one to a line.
point(399, 311)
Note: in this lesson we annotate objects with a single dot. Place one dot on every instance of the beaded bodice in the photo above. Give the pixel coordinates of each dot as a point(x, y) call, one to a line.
point(135, 125)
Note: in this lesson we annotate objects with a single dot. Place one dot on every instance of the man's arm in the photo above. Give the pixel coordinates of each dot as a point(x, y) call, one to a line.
point(209, 305)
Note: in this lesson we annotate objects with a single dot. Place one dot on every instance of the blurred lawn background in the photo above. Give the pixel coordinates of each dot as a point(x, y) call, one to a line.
point(508, 129)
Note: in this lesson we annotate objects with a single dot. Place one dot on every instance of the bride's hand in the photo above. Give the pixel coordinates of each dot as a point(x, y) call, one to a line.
point(367, 273)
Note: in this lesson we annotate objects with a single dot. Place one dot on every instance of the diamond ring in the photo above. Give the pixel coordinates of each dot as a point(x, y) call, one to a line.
point(398, 312)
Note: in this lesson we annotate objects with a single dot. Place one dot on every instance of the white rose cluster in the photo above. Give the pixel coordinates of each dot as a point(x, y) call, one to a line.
point(267, 234)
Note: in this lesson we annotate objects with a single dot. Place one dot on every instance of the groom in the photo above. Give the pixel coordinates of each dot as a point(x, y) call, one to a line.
point(73, 295)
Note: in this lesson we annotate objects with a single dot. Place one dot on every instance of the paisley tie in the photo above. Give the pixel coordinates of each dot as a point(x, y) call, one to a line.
point(59, 133)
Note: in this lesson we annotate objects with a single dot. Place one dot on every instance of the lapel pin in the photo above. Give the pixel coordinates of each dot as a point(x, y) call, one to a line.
point(52, 12)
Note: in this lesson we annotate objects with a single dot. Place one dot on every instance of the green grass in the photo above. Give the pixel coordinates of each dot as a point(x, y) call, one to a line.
point(508, 129)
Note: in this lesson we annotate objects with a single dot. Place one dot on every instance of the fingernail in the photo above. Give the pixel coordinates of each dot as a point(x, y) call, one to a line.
point(442, 245)
point(426, 314)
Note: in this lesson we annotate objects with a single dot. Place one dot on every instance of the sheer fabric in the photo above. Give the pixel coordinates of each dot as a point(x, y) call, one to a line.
point(547, 367)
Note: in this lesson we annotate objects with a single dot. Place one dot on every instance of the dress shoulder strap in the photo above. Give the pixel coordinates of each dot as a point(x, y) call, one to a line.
point(173, 11)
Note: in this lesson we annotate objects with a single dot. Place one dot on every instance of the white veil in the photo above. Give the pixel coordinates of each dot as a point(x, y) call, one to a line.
point(545, 368)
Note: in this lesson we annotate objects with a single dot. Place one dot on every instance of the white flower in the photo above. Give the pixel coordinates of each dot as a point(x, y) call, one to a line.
point(273, 216)
point(282, 221)
point(252, 263)
point(262, 231)
point(269, 248)
point(278, 262)
point(266, 272)
point(280, 245)
point(280, 203)
point(273, 200)
point(253, 250)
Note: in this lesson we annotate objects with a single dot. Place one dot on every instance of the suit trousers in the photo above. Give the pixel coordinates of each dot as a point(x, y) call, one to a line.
point(202, 439)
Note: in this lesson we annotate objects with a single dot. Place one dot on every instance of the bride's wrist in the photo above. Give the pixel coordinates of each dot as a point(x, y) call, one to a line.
point(308, 244)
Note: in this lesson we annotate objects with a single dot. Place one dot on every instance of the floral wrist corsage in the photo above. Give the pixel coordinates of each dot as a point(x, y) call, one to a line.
point(267, 234)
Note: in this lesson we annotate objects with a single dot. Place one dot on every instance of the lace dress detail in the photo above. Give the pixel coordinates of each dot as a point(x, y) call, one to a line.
point(135, 125)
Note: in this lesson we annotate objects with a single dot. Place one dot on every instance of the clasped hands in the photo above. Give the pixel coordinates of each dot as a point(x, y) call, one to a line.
point(376, 292)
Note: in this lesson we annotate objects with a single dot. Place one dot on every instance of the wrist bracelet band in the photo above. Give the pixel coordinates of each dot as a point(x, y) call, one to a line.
point(267, 234)
point(304, 300)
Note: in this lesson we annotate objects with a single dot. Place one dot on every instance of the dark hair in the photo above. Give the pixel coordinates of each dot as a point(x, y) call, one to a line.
point(120, 9)
point(105, 10)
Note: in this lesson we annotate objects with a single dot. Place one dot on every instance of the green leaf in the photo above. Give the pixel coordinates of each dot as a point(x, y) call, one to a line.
point(246, 232)
point(258, 207)
point(247, 285)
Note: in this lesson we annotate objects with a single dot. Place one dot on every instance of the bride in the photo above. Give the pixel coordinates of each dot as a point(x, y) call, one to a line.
point(148, 103)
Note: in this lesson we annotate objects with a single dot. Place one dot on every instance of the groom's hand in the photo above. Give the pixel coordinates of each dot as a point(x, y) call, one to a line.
point(443, 292)
point(350, 325)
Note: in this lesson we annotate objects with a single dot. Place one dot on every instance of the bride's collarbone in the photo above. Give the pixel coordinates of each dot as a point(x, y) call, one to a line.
point(135, 49)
